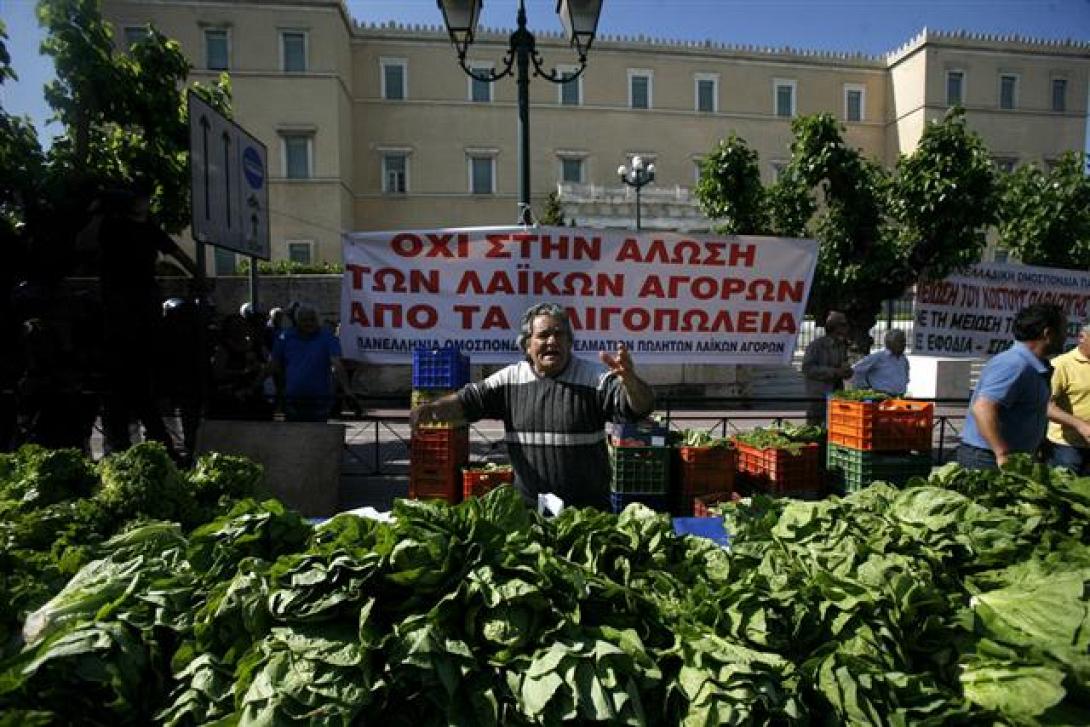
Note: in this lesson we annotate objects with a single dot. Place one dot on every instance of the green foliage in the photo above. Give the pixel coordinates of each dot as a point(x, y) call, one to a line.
point(860, 395)
point(1045, 215)
point(289, 267)
point(730, 191)
point(21, 158)
point(144, 482)
point(878, 232)
point(553, 214)
point(942, 200)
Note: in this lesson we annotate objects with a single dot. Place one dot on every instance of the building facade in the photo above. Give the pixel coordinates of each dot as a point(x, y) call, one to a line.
point(377, 127)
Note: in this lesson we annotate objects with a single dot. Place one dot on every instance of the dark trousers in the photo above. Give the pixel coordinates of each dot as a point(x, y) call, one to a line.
point(975, 458)
point(1075, 459)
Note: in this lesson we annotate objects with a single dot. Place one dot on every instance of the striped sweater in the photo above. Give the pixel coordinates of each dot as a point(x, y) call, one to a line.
point(555, 427)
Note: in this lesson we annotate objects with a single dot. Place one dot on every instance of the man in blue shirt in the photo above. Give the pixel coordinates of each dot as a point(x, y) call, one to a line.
point(1009, 410)
point(886, 370)
point(304, 359)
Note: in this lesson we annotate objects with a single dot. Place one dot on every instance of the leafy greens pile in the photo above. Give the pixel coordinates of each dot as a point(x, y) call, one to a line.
point(959, 600)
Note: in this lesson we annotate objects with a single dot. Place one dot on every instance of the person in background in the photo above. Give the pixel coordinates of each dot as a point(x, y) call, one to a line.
point(237, 372)
point(1009, 410)
point(305, 359)
point(1069, 410)
point(886, 370)
point(825, 365)
point(554, 408)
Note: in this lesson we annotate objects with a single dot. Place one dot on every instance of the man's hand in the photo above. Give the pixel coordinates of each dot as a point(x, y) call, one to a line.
point(1001, 458)
point(620, 363)
point(1083, 429)
point(846, 372)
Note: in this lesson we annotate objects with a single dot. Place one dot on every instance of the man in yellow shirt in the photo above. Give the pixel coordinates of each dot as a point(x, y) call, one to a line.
point(1069, 409)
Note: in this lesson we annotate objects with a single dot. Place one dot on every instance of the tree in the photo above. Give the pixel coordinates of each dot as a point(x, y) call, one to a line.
point(1044, 216)
point(554, 211)
point(877, 231)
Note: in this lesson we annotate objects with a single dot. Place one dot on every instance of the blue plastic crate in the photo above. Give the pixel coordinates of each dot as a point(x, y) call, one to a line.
point(647, 433)
point(440, 368)
point(704, 527)
point(659, 502)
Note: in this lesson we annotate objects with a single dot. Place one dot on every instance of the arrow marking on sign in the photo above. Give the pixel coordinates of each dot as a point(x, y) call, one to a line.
point(227, 174)
point(205, 124)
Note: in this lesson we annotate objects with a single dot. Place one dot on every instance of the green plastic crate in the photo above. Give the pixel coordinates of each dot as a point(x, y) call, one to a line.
point(640, 469)
point(853, 469)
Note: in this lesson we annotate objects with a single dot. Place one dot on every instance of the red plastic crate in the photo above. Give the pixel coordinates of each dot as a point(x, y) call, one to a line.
point(703, 504)
point(703, 470)
point(440, 446)
point(896, 425)
point(779, 472)
point(435, 482)
point(475, 484)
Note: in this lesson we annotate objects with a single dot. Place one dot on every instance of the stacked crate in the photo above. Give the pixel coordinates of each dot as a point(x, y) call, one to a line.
point(438, 449)
point(640, 460)
point(887, 440)
point(702, 471)
point(478, 482)
point(794, 472)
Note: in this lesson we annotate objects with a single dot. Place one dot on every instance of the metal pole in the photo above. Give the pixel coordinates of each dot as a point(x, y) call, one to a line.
point(522, 42)
point(638, 187)
point(253, 282)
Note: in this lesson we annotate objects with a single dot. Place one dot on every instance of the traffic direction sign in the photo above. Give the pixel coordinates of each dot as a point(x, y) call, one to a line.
point(229, 182)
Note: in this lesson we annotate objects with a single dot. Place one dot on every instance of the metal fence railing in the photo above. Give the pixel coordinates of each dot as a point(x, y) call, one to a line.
point(896, 313)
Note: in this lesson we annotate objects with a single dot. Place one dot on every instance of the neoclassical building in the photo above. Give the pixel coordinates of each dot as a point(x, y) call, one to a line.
point(376, 127)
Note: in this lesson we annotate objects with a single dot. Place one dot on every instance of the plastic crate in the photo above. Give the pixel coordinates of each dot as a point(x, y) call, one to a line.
point(440, 368)
point(896, 425)
point(429, 481)
point(702, 505)
point(618, 501)
point(701, 470)
point(780, 472)
point(640, 469)
point(647, 433)
point(476, 483)
point(424, 396)
point(440, 447)
point(852, 469)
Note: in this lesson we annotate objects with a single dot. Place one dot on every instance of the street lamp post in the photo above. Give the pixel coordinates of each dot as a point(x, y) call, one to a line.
point(580, 21)
point(638, 177)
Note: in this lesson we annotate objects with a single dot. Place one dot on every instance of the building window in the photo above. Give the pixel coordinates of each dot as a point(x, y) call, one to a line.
point(698, 166)
point(224, 262)
point(394, 72)
point(297, 148)
point(1059, 94)
point(1005, 164)
point(301, 252)
point(480, 91)
point(778, 168)
point(293, 51)
point(1001, 255)
point(784, 97)
point(955, 91)
point(1008, 89)
point(135, 34)
point(395, 168)
point(853, 103)
point(482, 174)
point(639, 89)
point(707, 92)
point(571, 170)
point(571, 91)
point(216, 51)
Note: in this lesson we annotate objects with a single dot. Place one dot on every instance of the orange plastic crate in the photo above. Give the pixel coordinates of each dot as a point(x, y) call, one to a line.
point(435, 482)
point(895, 425)
point(703, 504)
point(703, 470)
point(476, 483)
point(440, 446)
point(779, 472)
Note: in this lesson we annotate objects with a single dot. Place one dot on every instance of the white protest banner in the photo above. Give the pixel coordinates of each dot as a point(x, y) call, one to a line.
point(970, 314)
point(670, 298)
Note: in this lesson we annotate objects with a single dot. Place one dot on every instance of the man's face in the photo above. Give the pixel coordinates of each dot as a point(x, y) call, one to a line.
point(896, 346)
point(549, 347)
point(306, 323)
point(1057, 337)
point(1084, 344)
